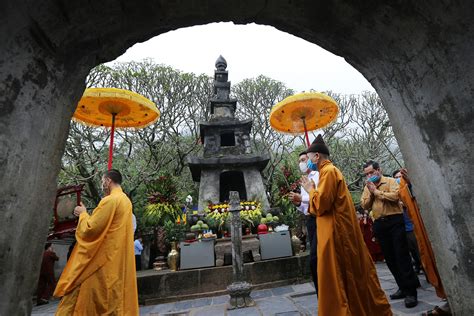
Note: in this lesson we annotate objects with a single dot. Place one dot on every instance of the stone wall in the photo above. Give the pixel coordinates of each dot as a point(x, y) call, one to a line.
point(165, 286)
point(255, 188)
point(417, 55)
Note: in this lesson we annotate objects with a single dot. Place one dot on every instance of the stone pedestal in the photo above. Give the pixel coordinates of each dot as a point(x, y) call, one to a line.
point(240, 295)
point(249, 243)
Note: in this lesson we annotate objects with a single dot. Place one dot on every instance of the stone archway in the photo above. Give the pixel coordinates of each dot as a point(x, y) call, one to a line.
point(417, 55)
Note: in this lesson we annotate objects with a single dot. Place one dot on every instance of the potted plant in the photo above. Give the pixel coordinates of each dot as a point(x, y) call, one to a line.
point(174, 233)
point(162, 207)
point(291, 217)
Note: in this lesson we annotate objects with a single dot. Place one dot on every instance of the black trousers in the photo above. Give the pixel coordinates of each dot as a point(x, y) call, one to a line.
point(414, 251)
point(313, 242)
point(391, 234)
point(138, 262)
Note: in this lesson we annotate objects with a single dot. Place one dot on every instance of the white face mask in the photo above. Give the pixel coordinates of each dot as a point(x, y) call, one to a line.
point(105, 187)
point(303, 167)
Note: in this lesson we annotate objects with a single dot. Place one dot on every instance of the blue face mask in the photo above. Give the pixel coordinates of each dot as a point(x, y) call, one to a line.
point(398, 180)
point(374, 179)
point(311, 165)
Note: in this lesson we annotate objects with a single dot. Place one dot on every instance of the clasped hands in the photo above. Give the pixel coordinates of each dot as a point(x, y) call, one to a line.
point(371, 187)
point(307, 184)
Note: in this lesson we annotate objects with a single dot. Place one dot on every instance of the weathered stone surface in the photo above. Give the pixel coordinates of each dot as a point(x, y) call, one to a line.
point(417, 55)
point(227, 151)
point(225, 246)
point(165, 286)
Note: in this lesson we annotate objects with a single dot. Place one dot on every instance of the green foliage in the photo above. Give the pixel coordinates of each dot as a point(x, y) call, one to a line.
point(174, 231)
point(162, 190)
point(362, 131)
point(356, 197)
point(213, 223)
point(251, 218)
point(158, 214)
point(289, 214)
point(287, 177)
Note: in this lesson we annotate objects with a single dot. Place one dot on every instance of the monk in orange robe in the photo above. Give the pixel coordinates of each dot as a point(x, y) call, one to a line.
point(426, 251)
point(347, 279)
point(100, 276)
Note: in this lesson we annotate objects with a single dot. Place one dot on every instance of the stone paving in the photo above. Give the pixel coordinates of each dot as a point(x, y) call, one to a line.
point(288, 300)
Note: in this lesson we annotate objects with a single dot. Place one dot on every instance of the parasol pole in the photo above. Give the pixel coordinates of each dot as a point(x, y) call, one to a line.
point(305, 131)
point(111, 147)
point(391, 154)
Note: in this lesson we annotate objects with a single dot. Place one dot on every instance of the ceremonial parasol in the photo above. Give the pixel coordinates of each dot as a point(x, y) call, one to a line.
point(303, 112)
point(115, 108)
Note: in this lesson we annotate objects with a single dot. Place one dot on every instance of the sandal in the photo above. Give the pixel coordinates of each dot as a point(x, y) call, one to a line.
point(436, 312)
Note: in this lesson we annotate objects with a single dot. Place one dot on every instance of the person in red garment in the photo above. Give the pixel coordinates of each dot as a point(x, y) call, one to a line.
point(366, 223)
point(47, 281)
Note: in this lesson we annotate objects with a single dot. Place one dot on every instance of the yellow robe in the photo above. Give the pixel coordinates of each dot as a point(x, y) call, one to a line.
point(426, 252)
point(347, 279)
point(100, 277)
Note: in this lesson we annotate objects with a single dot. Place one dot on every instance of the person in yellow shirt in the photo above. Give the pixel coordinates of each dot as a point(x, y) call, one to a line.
point(347, 279)
point(381, 195)
point(100, 276)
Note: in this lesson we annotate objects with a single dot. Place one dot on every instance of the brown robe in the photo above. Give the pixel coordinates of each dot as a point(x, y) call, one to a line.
point(47, 281)
point(347, 279)
point(426, 252)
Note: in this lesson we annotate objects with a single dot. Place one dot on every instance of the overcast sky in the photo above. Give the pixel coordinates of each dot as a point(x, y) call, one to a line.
point(251, 50)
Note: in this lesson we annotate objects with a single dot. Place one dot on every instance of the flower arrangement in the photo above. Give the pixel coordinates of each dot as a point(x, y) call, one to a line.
point(287, 180)
point(224, 207)
point(158, 214)
point(162, 190)
point(250, 213)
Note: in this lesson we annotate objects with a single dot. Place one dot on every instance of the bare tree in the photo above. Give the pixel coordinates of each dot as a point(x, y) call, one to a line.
point(256, 98)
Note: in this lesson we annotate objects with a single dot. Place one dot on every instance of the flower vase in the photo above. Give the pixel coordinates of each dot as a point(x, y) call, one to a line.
point(173, 257)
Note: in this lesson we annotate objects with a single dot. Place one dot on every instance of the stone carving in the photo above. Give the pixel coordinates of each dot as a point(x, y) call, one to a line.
point(239, 290)
point(431, 117)
point(221, 152)
point(246, 141)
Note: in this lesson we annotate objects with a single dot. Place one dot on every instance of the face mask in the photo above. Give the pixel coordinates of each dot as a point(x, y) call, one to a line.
point(311, 165)
point(105, 188)
point(303, 167)
point(374, 179)
point(398, 180)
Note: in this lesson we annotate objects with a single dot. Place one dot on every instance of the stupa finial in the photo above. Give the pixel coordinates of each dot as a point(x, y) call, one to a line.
point(221, 63)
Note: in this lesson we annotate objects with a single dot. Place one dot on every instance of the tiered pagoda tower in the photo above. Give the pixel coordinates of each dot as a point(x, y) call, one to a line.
point(227, 163)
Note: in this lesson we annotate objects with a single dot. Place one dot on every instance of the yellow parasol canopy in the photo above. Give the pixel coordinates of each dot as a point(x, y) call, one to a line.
point(113, 108)
point(131, 110)
point(302, 112)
